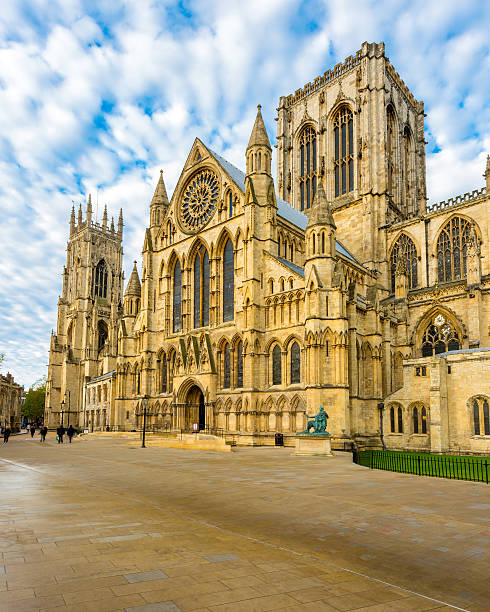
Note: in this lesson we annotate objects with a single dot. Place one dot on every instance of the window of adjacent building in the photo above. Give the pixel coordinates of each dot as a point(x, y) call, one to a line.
point(451, 249)
point(100, 280)
point(201, 288)
point(404, 249)
point(308, 166)
point(228, 282)
point(239, 364)
point(226, 366)
point(276, 365)
point(343, 151)
point(440, 337)
point(481, 417)
point(177, 299)
point(295, 363)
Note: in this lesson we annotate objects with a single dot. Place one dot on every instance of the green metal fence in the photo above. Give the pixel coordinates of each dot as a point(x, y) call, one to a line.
point(422, 464)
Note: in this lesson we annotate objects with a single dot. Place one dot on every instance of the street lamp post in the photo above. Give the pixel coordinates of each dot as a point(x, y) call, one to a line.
point(144, 402)
point(381, 408)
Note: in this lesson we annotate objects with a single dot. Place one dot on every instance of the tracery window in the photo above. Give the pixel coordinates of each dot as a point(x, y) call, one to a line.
point(404, 249)
point(295, 363)
point(228, 282)
point(308, 166)
point(451, 249)
point(239, 364)
point(100, 280)
point(481, 417)
point(177, 299)
point(440, 337)
point(276, 365)
point(201, 288)
point(226, 366)
point(343, 151)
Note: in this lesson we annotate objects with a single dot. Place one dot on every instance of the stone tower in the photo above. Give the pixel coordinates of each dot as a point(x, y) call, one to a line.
point(359, 131)
point(85, 343)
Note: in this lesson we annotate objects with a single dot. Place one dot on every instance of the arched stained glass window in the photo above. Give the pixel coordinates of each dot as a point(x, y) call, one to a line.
point(400, 420)
point(201, 288)
point(452, 246)
point(239, 364)
point(392, 420)
point(424, 420)
point(276, 365)
point(163, 374)
point(102, 335)
point(228, 282)
point(230, 204)
point(226, 367)
point(343, 132)
point(415, 420)
point(308, 166)
point(100, 280)
point(476, 417)
point(404, 249)
point(295, 363)
point(177, 299)
point(481, 417)
point(440, 337)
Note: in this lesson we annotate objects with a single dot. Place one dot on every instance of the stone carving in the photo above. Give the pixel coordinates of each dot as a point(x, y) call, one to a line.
point(319, 423)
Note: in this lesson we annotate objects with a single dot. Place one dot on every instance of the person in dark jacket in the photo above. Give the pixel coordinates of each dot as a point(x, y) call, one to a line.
point(6, 435)
point(60, 432)
point(33, 430)
point(70, 432)
point(44, 432)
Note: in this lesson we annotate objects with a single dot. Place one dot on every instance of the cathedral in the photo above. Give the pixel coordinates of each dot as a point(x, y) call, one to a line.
point(258, 301)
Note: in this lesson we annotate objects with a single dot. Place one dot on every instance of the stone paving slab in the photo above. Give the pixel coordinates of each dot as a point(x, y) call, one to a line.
point(97, 526)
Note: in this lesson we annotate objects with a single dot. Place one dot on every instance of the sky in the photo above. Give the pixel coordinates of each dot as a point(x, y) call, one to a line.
point(97, 96)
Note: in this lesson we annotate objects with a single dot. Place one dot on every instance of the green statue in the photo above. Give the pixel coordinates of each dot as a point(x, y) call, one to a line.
point(319, 423)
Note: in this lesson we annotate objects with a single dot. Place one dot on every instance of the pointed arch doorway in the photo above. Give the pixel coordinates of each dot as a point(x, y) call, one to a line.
point(195, 408)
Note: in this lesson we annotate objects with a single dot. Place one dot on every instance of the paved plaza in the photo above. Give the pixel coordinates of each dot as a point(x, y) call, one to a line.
point(102, 524)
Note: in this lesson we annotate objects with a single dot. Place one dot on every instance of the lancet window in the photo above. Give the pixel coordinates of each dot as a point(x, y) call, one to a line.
point(440, 337)
point(481, 417)
point(396, 420)
point(228, 268)
point(201, 288)
point(163, 374)
point(391, 150)
point(276, 365)
point(295, 363)
point(404, 251)
point(343, 151)
point(177, 299)
point(452, 247)
point(102, 335)
point(100, 280)
point(408, 161)
point(226, 366)
point(419, 419)
point(308, 166)
point(239, 364)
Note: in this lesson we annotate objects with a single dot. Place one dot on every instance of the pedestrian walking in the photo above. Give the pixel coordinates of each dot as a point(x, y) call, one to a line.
point(70, 432)
point(6, 434)
point(43, 431)
point(61, 432)
point(33, 430)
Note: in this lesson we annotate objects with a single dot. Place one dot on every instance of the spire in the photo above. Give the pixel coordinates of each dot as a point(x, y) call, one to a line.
point(80, 217)
point(72, 220)
point(160, 195)
point(134, 285)
point(487, 174)
point(104, 218)
point(120, 224)
point(259, 137)
point(320, 211)
point(112, 224)
point(89, 208)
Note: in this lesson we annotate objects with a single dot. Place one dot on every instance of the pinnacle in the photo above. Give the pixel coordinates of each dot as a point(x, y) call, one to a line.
point(160, 195)
point(320, 211)
point(134, 285)
point(259, 133)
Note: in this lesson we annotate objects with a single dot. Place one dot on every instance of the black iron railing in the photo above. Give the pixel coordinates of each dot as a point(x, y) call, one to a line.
point(443, 466)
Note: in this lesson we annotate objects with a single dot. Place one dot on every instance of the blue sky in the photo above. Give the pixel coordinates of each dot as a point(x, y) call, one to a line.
point(97, 96)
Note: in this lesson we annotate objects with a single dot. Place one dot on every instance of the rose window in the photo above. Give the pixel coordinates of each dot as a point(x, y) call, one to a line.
point(199, 200)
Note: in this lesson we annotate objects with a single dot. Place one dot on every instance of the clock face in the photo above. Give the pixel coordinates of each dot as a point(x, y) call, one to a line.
point(199, 200)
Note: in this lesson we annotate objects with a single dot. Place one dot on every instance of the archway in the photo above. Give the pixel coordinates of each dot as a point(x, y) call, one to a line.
point(195, 408)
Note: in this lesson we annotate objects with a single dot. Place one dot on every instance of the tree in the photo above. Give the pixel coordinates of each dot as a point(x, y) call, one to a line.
point(33, 406)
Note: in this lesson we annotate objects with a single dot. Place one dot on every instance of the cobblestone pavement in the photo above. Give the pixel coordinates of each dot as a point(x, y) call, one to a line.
point(103, 525)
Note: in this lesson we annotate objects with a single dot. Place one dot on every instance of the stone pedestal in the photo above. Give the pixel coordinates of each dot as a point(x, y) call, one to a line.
point(313, 445)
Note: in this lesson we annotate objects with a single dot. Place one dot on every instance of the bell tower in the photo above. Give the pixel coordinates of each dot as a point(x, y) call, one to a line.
point(85, 342)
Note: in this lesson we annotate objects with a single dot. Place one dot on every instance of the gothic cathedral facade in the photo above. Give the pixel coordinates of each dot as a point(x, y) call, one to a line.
point(257, 303)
